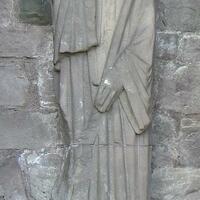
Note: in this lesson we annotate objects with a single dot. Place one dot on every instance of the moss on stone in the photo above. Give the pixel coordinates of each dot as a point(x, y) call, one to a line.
point(35, 11)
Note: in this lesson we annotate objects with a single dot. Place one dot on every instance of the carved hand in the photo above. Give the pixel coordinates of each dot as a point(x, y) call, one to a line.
point(108, 91)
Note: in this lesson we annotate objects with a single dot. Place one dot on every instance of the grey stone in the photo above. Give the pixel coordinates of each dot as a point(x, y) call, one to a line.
point(189, 49)
point(27, 120)
point(45, 82)
point(28, 90)
point(93, 168)
point(164, 128)
point(35, 11)
point(163, 138)
point(44, 173)
point(21, 129)
point(179, 15)
point(5, 13)
point(105, 77)
point(166, 45)
point(178, 88)
point(176, 183)
point(24, 41)
point(189, 141)
point(8, 154)
point(14, 84)
point(165, 86)
point(11, 182)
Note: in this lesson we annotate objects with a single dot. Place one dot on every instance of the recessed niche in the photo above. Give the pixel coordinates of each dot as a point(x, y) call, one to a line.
point(35, 11)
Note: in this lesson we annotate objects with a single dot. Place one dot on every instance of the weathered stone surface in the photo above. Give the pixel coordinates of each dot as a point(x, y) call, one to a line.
point(28, 130)
point(176, 140)
point(11, 182)
point(176, 184)
point(189, 141)
point(44, 173)
point(177, 88)
point(163, 136)
point(35, 11)
point(165, 85)
point(179, 15)
point(189, 49)
point(24, 41)
point(175, 132)
point(27, 120)
point(5, 13)
point(14, 12)
point(166, 45)
point(14, 84)
point(29, 85)
point(16, 37)
point(45, 83)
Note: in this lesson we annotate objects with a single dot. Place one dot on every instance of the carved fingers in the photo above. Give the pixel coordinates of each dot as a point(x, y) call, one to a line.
point(108, 91)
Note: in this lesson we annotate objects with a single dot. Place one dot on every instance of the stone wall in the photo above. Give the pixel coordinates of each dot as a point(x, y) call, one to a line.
point(32, 132)
point(176, 118)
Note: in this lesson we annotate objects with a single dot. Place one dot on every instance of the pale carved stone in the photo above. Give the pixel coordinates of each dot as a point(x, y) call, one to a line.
point(103, 49)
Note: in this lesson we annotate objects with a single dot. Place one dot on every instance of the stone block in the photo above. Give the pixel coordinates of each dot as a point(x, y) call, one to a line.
point(177, 88)
point(25, 41)
point(14, 84)
point(165, 86)
point(166, 45)
point(189, 49)
point(45, 173)
point(21, 129)
point(163, 139)
point(35, 11)
point(189, 141)
point(164, 127)
point(14, 13)
point(178, 15)
point(5, 13)
point(11, 183)
point(175, 183)
point(45, 83)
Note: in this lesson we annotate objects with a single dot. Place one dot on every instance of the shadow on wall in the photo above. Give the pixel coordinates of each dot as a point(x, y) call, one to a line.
point(35, 12)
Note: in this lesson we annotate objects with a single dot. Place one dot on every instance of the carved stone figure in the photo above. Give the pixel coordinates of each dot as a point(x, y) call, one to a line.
point(103, 49)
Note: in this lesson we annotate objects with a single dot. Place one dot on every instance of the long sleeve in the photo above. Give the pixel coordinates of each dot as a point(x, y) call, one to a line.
point(74, 26)
point(135, 65)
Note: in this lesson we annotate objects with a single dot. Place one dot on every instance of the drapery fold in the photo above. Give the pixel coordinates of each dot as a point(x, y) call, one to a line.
point(131, 48)
point(76, 31)
point(133, 58)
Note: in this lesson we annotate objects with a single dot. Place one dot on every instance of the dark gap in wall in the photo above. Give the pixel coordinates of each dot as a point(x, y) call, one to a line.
point(36, 12)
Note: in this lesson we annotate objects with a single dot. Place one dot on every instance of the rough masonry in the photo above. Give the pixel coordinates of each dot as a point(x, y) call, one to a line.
point(33, 144)
point(175, 130)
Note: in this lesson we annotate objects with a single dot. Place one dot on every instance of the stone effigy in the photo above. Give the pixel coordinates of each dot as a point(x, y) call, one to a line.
point(34, 159)
point(103, 50)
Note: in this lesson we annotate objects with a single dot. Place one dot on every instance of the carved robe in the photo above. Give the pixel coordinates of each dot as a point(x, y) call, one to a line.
point(104, 50)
